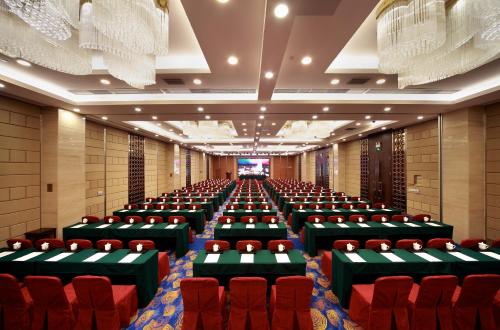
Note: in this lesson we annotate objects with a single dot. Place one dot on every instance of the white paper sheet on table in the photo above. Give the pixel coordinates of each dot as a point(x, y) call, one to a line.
point(462, 256)
point(273, 226)
point(336, 210)
point(342, 225)
point(157, 211)
point(364, 225)
point(147, 226)
point(248, 211)
point(318, 225)
point(318, 210)
point(354, 257)
point(302, 210)
point(191, 211)
point(388, 224)
point(123, 211)
point(392, 257)
point(212, 258)
point(409, 224)
point(80, 225)
point(96, 257)
point(226, 226)
point(250, 226)
point(432, 224)
point(174, 211)
point(282, 258)
point(486, 253)
point(231, 211)
point(125, 226)
point(5, 253)
point(141, 211)
point(29, 256)
point(129, 258)
point(427, 256)
point(247, 258)
point(370, 210)
point(104, 226)
point(60, 256)
point(171, 226)
point(353, 210)
point(386, 210)
point(265, 210)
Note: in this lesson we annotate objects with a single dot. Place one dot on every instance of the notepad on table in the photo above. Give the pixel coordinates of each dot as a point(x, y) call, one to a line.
point(282, 258)
point(191, 211)
point(486, 253)
point(125, 226)
point(273, 226)
point(388, 224)
point(29, 256)
point(370, 210)
point(174, 211)
point(212, 258)
point(80, 225)
point(354, 257)
point(427, 257)
point(247, 258)
point(96, 257)
point(104, 225)
point(353, 210)
point(60, 256)
point(432, 224)
point(250, 226)
point(157, 211)
point(141, 211)
point(5, 253)
point(364, 225)
point(231, 211)
point(302, 210)
point(318, 225)
point(265, 210)
point(129, 258)
point(123, 211)
point(392, 257)
point(409, 224)
point(342, 225)
point(147, 226)
point(248, 211)
point(462, 256)
point(171, 226)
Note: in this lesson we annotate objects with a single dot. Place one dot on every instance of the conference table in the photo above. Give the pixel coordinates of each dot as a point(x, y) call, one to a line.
point(220, 196)
point(237, 214)
point(195, 218)
point(160, 233)
point(364, 266)
point(121, 266)
point(259, 231)
point(288, 206)
point(299, 217)
point(317, 236)
point(282, 199)
point(263, 263)
point(207, 206)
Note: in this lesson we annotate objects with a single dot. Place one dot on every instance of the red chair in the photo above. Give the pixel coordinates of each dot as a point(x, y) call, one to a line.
point(152, 219)
point(163, 261)
point(336, 218)
point(204, 303)
point(223, 245)
point(265, 207)
point(81, 244)
point(374, 244)
point(194, 206)
point(399, 218)
point(241, 246)
point(355, 198)
point(114, 244)
point(90, 219)
point(273, 245)
point(299, 206)
point(164, 199)
point(379, 206)
point(130, 206)
point(382, 305)
point(234, 199)
point(177, 206)
point(132, 219)
point(429, 304)
point(289, 219)
point(177, 219)
point(330, 206)
point(472, 243)
point(342, 199)
point(112, 219)
point(25, 244)
point(270, 219)
point(232, 206)
point(496, 243)
point(225, 218)
point(473, 302)
point(363, 206)
point(289, 304)
point(15, 304)
point(341, 244)
point(249, 199)
point(249, 207)
point(438, 243)
point(407, 243)
point(422, 217)
point(326, 257)
point(54, 306)
point(162, 206)
point(147, 206)
point(348, 206)
point(102, 305)
point(315, 206)
point(53, 243)
point(316, 219)
point(248, 304)
point(249, 219)
point(357, 218)
point(150, 199)
point(380, 218)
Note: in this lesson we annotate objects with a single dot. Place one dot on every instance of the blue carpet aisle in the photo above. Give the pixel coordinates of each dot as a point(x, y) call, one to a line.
point(165, 310)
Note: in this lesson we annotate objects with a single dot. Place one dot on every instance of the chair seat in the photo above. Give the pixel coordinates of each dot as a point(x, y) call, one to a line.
point(125, 297)
point(326, 264)
point(359, 308)
point(163, 266)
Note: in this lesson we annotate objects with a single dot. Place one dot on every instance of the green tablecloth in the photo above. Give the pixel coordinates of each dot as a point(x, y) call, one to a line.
point(207, 206)
point(265, 265)
point(345, 273)
point(237, 214)
point(143, 271)
point(288, 206)
point(196, 218)
point(299, 218)
point(157, 233)
point(316, 238)
point(261, 232)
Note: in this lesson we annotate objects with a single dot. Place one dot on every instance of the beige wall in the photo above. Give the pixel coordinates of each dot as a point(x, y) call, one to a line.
point(116, 169)
point(422, 169)
point(165, 167)
point(19, 168)
point(308, 166)
point(94, 169)
point(352, 168)
point(493, 171)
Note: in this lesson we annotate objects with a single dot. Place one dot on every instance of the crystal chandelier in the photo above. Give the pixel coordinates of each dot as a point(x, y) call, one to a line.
point(63, 35)
point(428, 40)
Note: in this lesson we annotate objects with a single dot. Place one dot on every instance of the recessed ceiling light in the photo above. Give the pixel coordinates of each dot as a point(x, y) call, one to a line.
point(170, 140)
point(325, 109)
point(281, 10)
point(105, 81)
point(358, 124)
point(200, 109)
point(420, 117)
point(154, 117)
point(261, 117)
point(223, 1)
point(104, 118)
point(244, 130)
point(258, 133)
point(334, 82)
point(207, 117)
point(368, 117)
point(2, 85)
point(273, 124)
point(197, 81)
point(76, 110)
point(243, 124)
point(159, 124)
point(136, 128)
point(23, 62)
point(259, 125)
point(344, 140)
point(387, 109)
point(232, 60)
point(156, 135)
point(380, 81)
point(171, 130)
point(315, 117)
point(360, 134)
point(246, 134)
point(137, 109)
point(333, 134)
point(269, 75)
point(268, 134)
point(306, 60)
point(384, 128)
point(263, 108)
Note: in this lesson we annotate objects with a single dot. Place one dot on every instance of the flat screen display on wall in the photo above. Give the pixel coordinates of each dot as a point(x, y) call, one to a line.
point(258, 167)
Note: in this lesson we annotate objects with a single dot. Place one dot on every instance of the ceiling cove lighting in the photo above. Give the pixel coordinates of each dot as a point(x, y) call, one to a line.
point(306, 60)
point(281, 10)
point(232, 60)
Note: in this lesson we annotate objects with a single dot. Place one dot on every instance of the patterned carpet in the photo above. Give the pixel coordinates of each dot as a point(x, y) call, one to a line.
point(165, 310)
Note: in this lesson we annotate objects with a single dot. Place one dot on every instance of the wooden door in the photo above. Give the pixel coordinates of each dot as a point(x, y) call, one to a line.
point(380, 168)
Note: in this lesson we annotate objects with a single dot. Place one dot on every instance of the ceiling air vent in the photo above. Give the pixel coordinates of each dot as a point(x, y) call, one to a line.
point(173, 81)
point(358, 81)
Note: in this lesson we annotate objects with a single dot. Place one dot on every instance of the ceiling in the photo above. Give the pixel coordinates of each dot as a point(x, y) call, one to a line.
point(236, 109)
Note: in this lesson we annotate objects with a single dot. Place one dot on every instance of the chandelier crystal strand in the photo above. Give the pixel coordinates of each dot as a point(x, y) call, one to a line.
point(138, 73)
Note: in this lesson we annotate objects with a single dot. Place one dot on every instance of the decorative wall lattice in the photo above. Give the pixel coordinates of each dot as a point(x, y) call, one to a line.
point(188, 168)
point(135, 169)
point(364, 159)
point(322, 172)
point(399, 169)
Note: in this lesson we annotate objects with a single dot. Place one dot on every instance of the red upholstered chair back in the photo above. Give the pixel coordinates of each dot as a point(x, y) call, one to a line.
point(273, 245)
point(114, 218)
point(422, 217)
point(496, 243)
point(146, 245)
point(265, 206)
point(25, 243)
point(115, 244)
point(299, 206)
point(194, 206)
point(363, 206)
point(303, 199)
point(150, 199)
point(336, 218)
point(241, 246)
point(269, 219)
point(399, 218)
point(248, 303)
point(342, 199)
point(176, 219)
point(330, 206)
point(133, 219)
point(177, 199)
point(14, 305)
point(261, 199)
point(355, 198)
point(90, 219)
point(164, 199)
point(380, 218)
point(249, 207)
point(54, 243)
point(380, 205)
point(82, 244)
point(200, 296)
point(232, 206)
point(224, 218)
point(177, 206)
point(293, 299)
point(316, 219)
point(348, 206)
point(472, 243)
point(234, 199)
point(357, 218)
point(374, 244)
point(249, 219)
point(130, 206)
point(162, 206)
point(223, 245)
point(154, 219)
point(315, 206)
point(147, 206)
point(50, 303)
point(438, 243)
point(341, 244)
point(339, 193)
point(407, 243)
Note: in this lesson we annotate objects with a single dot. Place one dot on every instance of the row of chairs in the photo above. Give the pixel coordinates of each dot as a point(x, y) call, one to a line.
point(241, 246)
point(437, 303)
point(248, 199)
point(289, 303)
point(43, 302)
point(346, 206)
point(228, 219)
point(162, 206)
point(377, 217)
point(249, 207)
point(105, 245)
